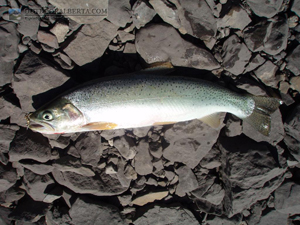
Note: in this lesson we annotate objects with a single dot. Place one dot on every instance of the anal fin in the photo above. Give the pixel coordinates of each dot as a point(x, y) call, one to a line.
point(212, 120)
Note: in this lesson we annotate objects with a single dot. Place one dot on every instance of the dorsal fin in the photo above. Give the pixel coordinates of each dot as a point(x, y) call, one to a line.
point(159, 68)
point(160, 65)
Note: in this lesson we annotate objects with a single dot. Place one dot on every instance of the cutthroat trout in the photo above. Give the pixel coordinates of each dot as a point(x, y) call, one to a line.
point(146, 100)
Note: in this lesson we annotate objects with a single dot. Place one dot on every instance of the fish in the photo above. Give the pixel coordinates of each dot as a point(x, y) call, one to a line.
point(140, 100)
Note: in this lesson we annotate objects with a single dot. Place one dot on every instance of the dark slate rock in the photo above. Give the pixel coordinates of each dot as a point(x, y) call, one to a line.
point(277, 39)
point(8, 177)
point(29, 24)
point(7, 134)
point(72, 164)
point(9, 39)
point(125, 146)
point(254, 36)
point(88, 145)
point(292, 129)
point(251, 86)
point(188, 17)
point(119, 13)
point(47, 38)
point(94, 36)
point(29, 145)
point(197, 19)
point(269, 36)
point(187, 181)
point(90, 212)
point(223, 220)
point(143, 159)
point(142, 13)
point(296, 7)
point(121, 173)
point(254, 63)
point(156, 149)
point(212, 199)
point(287, 198)
point(34, 76)
point(167, 12)
point(101, 184)
point(295, 83)
point(110, 134)
point(236, 55)
point(58, 216)
point(236, 18)
point(274, 217)
point(161, 43)
point(58, 141)
point(38, 168)
point(293, 61)
point(167, 215)
point(268, 9)
point(254, 213)
point(141, 131)
point(4, 213)
point(12, 194)
point(189, 142)
point(6, 72)
point(212, 159)
point(64, 61)
point(29, 210)
point(249, 171)
point(209, 194)
point(60, 30)
point(267, 74)
point(36, 185)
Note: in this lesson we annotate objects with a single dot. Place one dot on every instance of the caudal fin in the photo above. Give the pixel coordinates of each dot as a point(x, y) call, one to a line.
point(260, 118)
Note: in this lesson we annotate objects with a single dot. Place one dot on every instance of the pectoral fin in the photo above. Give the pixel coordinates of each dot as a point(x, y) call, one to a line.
point(212, 120)
point(99, 126)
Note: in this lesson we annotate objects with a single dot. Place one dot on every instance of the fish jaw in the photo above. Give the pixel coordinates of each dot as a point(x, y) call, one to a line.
point(41, 127)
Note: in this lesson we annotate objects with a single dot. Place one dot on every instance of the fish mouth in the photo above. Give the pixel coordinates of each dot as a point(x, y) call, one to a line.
point(40, 126)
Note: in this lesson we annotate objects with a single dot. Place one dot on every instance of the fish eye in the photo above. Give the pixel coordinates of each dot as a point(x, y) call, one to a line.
point(47, 115)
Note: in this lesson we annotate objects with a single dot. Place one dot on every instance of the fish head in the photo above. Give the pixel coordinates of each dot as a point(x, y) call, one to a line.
point(59, 116)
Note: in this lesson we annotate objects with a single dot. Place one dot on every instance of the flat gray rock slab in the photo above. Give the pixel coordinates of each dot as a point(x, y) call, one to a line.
point(86, 211)
point(101, 184)
point(190, 142)
point(167, 215)
point(161, 43)
point(268, 9)
point(91, 42)
point(29, 145)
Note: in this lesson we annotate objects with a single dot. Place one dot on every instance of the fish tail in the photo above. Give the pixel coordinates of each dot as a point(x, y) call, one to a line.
point(260, 118)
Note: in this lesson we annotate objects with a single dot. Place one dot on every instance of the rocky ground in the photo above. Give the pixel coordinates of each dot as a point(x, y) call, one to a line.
point(187, 173)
